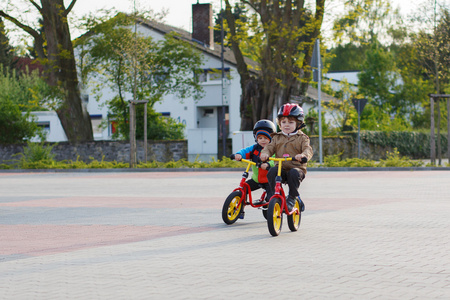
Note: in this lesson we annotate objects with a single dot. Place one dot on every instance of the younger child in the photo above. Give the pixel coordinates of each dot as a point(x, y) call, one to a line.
point(262, 132)
point(291, 141)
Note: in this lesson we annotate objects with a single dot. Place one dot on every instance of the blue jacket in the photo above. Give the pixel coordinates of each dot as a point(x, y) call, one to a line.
point(252, 153)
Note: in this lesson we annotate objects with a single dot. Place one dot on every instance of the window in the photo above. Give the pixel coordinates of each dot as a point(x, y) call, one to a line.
point(96, 121)
point(85, 98)
point(213, 75)
point(44, 125)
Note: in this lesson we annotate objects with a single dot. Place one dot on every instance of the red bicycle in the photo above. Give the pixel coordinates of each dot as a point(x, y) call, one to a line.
point(278, 205)
point(240, 197)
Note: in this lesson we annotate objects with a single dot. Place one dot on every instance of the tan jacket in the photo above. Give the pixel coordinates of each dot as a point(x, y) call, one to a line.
point(296, 144)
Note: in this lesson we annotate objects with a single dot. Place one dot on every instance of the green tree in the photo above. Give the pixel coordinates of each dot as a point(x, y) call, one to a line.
point(390, 75)
point(14, 126)
point(364, 22)
point(281, 35)
point(379, 79)
point(137, 67)
point(6, 51)
point(240, 15)
point(348, 57)
point(19, 95)
point(55, 51)
point(433, 51)
point(433, 48)
point(342, 111)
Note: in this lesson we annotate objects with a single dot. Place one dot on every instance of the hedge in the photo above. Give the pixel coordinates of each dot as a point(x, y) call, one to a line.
point(413, 144)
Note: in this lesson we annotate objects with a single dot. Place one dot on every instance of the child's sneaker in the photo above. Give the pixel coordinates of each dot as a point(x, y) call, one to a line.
point(242, 215)
point(302, 205)
point(290, 201)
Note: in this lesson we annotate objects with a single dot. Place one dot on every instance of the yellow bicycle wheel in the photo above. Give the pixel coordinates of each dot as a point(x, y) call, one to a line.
point(295, 218)
point(232, 207)
point(275, 216)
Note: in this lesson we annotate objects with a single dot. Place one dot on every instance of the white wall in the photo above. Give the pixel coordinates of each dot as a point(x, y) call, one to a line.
point(335, 79)
point(242, 139)
point(50, 122)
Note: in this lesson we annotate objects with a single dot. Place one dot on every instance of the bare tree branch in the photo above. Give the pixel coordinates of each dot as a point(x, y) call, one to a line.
point(69, 8)
point(22, 26)
point(36, 5)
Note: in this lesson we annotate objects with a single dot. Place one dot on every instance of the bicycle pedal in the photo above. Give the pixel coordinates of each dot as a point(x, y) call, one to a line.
point(260, 203)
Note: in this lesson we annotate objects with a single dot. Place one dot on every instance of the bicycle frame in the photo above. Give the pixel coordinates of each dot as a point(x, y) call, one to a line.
point(279, 191)
point(244, 188)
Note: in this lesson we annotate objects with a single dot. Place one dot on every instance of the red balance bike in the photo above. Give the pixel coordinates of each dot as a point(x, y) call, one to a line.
point(278, 205)
point(240, 197)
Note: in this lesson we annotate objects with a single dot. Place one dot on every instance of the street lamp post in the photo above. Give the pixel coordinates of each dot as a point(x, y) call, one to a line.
point(359, 105)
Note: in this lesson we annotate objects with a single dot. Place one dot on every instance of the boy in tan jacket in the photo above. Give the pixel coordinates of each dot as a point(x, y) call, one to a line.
point(291, 141)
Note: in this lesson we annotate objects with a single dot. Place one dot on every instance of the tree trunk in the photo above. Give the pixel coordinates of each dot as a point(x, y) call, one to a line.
point(439, 150)
point(59, 63)
point(63, 74)
point(290, 32)
point(245, 105)
point(432, 139)
point(448, 130)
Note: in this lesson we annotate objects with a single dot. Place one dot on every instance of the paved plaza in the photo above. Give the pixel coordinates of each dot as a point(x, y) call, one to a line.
point(160, 235)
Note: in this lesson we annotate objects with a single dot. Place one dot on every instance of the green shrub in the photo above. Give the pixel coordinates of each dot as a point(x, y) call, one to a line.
point(412, 144)
point(35, 156)
point(38, 156)
point(225, 162)
point(393, 160)
point(94, 164)
point(19, 95)
point(332, 160)
point(335, 161)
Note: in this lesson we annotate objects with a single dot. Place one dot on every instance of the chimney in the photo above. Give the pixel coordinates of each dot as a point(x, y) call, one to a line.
point(202, 24)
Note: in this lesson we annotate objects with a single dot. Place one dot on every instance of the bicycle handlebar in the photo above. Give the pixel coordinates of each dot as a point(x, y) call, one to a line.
point(282, 158)
point(232, 156)
point(303, 160)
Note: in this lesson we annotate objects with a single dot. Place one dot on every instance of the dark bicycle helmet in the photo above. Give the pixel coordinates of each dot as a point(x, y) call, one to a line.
point(291, 110)
point(265, 127)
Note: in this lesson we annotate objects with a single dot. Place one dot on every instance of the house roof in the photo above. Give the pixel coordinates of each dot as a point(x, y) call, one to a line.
point(24, 63)
point(313, 94)
point(228, 55)
point(339, 76)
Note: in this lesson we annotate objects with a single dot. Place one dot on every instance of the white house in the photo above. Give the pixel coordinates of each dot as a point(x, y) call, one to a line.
point(337, 77)
point(203, 119)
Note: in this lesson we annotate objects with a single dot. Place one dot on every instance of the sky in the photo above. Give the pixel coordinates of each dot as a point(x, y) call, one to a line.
point(179, 12)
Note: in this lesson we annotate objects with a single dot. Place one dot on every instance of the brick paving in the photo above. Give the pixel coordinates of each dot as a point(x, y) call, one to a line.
point(159, 235)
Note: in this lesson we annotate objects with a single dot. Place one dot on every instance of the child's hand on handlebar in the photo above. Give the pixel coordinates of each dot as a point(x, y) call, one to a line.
point(265, 166)
point(264, 157)
point(301, 158)
point(237, 157)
